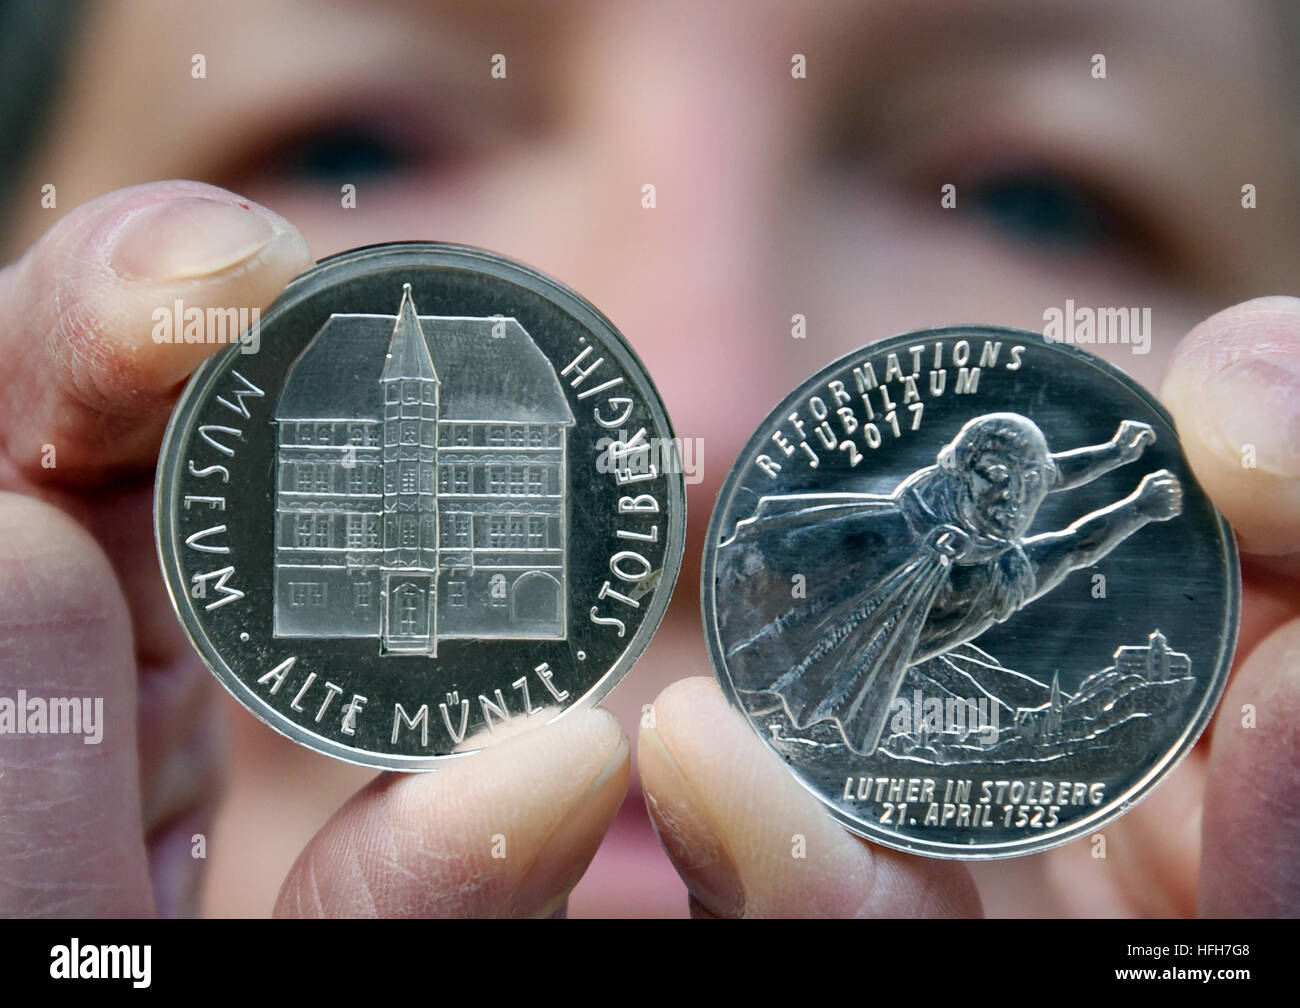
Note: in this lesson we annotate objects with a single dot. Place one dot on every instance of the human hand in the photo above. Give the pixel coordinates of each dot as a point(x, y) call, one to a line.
point(107, 829)
point(1220, 836)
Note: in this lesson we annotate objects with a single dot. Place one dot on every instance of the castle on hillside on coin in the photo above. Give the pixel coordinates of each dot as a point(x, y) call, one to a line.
point(421, 483)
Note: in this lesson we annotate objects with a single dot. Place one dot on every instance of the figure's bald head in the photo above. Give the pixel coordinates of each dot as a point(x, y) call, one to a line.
point(1005, 469)
point(1010, 433)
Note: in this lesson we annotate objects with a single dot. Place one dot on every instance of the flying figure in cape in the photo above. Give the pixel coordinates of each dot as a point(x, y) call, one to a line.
point(901, 578)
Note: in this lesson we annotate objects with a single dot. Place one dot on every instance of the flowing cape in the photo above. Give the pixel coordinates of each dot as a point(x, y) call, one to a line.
point(828, 597)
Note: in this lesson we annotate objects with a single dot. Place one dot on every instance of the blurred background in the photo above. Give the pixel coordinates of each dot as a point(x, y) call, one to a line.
point(798, 153)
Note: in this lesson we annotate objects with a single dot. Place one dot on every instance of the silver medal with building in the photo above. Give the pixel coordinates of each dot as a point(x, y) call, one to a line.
point(964, 584)
point(436, 496)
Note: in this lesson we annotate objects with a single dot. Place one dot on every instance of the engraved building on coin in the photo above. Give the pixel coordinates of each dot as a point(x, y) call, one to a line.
point(441, 504)
point(415, 500)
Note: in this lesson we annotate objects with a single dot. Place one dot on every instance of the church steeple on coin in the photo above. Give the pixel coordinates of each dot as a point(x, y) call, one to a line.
point(442, 499)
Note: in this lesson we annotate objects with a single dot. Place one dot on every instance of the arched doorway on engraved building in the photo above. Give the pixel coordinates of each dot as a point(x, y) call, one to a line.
point(409, 617)
point(536, 604)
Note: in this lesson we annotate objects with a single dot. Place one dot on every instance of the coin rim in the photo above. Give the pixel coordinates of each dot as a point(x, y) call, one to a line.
point(298, 290)
point(1005, 849)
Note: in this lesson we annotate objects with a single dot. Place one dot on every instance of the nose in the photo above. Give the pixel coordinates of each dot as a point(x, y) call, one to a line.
point(695, 282)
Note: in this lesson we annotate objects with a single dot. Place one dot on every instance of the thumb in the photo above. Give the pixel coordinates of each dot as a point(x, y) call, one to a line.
point(78, 312)
point(1234, 390)
point(505, 832)
point(728, 812)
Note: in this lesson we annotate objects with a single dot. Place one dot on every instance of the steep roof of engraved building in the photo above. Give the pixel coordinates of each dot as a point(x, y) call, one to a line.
point(483, 377)
point(408, 353)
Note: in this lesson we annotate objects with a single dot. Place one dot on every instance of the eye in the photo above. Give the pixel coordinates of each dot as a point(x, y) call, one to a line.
point(997, 473)
point(1049, 209)
point(327, 153)
point(340, 152)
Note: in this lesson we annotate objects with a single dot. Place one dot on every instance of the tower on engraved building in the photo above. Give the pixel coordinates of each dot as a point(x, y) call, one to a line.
point(410, 563)
point(1155, 662)
point(421, 483)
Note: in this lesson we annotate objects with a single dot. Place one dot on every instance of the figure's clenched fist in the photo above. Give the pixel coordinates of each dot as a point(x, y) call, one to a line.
point(1159, 496)
point(1132, 438)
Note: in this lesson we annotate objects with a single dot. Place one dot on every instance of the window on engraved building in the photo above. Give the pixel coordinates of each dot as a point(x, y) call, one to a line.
point(303, 529)
point(498, 481)
point(536, 532)
point(453, 479)
point(497, 435)
point(507, 532)
point(456, 594)
point(536, 481)
point(306, 594)
point(410, 531)
point(361, 593)
point(408, 479)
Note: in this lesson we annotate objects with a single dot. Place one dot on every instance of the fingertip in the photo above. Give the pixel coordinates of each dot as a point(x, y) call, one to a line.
point(748, 838)
point(680, 817)
point(1233, 389)
point(508, 830)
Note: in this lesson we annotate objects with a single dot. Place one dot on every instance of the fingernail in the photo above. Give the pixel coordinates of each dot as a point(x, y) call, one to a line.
point(1257, 404)
point(686, 834)
point(545, 887)
point(188, 237)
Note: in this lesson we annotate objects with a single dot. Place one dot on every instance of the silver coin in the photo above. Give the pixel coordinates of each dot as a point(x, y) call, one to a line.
point(964, 584)
point(432, 495)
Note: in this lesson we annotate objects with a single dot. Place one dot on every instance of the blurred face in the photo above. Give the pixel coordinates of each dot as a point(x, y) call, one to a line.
point(1002, 492)
point(800, 157)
